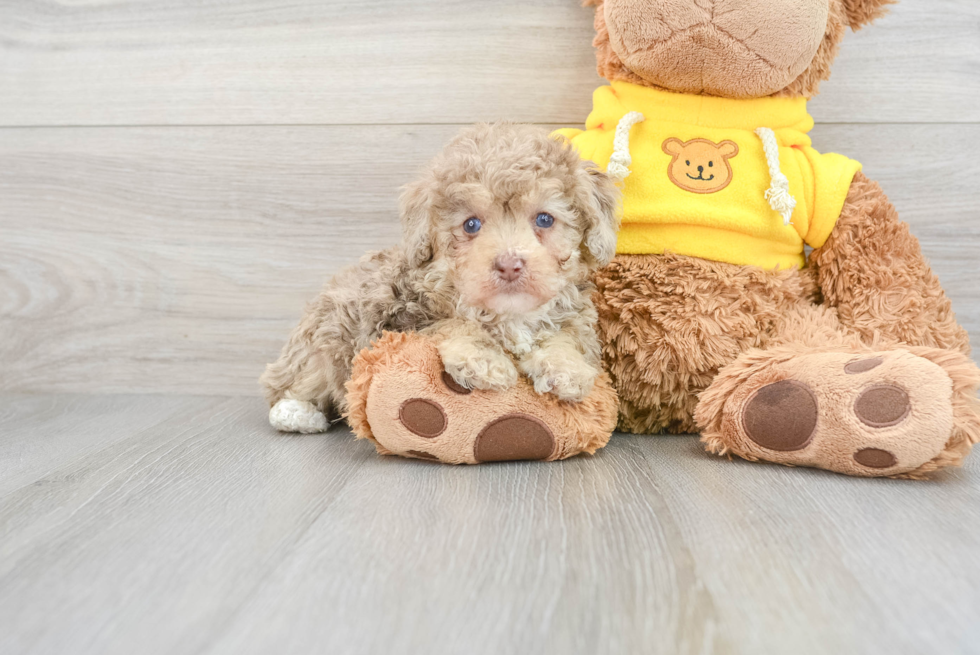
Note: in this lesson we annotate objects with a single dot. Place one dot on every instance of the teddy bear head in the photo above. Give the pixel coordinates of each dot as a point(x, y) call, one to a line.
point(727, 48)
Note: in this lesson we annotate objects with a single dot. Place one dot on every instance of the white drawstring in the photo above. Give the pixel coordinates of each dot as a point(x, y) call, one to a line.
point(778, 193)
point(620, 161)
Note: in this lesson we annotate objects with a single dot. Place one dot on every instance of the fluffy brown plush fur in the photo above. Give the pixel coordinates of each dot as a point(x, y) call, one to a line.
point(669, 323)
point(508, 296)
point(899, 298)
point(689, 343)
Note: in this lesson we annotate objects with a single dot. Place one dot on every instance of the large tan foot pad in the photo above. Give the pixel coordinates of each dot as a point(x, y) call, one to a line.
point(401, 398)
point(877, 414)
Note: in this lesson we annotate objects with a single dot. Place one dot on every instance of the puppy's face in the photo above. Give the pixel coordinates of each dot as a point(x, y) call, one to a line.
point(511, 255)
point(512, 217)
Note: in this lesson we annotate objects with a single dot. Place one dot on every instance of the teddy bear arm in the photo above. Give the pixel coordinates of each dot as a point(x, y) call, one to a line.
point(872, 270)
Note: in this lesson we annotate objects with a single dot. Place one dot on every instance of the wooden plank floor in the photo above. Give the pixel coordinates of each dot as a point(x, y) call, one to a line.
point(193, 528)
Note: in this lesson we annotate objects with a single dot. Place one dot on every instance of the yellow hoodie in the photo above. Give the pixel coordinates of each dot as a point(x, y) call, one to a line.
point(701, 181)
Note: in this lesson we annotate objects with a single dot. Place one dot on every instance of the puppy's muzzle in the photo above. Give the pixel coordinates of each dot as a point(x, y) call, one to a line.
point(509, 267)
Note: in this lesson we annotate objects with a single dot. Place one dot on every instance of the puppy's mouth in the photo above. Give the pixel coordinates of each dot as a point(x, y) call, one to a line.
point(513, 303)
point(700, 177)
point(511, 286)
point(516, 296)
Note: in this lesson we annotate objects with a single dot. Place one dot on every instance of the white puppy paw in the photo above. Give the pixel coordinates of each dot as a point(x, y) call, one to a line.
point(297, 416)
point(478, 368)
point(570, 376)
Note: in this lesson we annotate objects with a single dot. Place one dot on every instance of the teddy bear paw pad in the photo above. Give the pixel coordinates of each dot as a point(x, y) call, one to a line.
point(782, 416)
point(423, 417)
point(885, 414)
point(514, 437)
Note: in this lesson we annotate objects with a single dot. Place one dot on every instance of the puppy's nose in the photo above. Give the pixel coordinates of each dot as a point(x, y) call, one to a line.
point(509, 267)
point(700, 169)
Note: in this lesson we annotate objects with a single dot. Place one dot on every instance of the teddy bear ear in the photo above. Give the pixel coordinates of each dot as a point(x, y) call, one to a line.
point(673, 146)
point(862, 12)
point(728, 149)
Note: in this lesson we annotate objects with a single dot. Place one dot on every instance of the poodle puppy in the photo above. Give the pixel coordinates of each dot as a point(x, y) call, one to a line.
point(501, 237)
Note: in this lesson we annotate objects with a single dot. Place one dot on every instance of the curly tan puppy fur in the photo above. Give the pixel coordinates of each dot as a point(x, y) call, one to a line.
point(501, 236)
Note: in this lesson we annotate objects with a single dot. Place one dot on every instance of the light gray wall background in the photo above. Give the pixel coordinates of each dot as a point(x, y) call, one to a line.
point(177, 178)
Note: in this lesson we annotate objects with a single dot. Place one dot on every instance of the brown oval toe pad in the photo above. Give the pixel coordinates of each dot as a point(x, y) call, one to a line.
point(875, 458)
point(863, 365)
point(514, 437)
point(453, 385)
point(883, 406)
point(423, 417)
point(781, 416)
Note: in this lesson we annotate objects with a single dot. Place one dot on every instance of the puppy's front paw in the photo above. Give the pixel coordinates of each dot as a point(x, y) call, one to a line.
point(478, 368)
point(568, 376)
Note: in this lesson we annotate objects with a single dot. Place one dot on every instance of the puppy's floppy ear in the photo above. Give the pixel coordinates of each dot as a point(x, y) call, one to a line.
point(862, 12)
point(602, 214)
point(416, 217)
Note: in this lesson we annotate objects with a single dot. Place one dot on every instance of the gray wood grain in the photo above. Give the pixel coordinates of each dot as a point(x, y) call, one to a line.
point(177, 259)
point(207, 533)
point(184, 62)
point(42, 433)
point(151, 543)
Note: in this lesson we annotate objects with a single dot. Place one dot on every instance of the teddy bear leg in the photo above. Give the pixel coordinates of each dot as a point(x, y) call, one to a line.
point(872, 271)
point(664, 337)
point(876, 382)
point(402, 398)
point(821, 398)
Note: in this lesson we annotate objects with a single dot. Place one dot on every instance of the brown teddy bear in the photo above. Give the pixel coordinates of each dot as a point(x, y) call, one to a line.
point(712, 318)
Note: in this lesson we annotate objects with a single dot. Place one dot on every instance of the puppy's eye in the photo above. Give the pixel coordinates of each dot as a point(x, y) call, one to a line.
point(472, 225)
point(710, 164)
point(688, 162)
point(544, 220)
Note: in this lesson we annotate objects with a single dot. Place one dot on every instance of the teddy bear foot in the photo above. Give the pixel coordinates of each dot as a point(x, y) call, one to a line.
point(401, 398)
point(894, 413)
